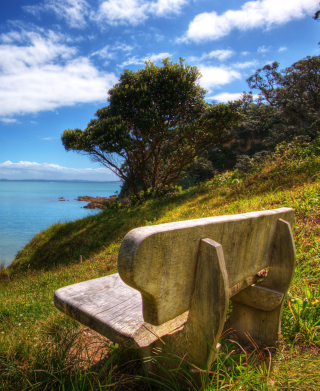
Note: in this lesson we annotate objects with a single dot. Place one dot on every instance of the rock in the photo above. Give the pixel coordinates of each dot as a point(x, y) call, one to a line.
point(96, 202)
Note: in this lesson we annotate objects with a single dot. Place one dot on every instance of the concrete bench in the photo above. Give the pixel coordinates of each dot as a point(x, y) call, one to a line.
point(175, 281)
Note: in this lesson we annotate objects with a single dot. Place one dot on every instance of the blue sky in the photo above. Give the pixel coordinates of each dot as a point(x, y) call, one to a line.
point(58, 59)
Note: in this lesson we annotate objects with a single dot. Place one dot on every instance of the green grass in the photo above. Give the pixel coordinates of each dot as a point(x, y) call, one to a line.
point(42, 349)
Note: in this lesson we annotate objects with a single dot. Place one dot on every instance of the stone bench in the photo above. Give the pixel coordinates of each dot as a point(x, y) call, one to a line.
point(175, 281)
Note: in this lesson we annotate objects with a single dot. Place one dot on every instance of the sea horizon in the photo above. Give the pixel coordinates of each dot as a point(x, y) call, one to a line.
point(55, 180)
point(30, 206)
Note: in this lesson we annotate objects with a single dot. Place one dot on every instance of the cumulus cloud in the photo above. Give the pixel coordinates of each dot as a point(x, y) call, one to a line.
point(253, 14)
point(167, 7)
point(227, 96)
point(282, 49)
point(33, 170)
point(38, 71)
point(134, 12)
point(214, 77)
point(116, 12)
point(73, 11)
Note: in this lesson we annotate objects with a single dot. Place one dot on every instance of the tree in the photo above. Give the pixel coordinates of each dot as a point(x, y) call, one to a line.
point(156, 123)
point(295, 91)
point(263, 125)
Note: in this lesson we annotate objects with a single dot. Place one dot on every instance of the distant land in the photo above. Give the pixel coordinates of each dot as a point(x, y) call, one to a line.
point(53, 180)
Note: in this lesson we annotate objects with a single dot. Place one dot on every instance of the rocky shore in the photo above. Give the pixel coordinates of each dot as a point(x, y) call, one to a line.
point(96, 202)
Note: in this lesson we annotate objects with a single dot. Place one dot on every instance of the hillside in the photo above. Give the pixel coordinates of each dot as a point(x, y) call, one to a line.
point(43, 349)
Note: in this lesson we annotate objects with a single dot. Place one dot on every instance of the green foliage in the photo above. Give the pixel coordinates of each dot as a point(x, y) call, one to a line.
point(155, 125)
point(199, 171)
point(294, 92)
point(244, 163)
point(306, 314)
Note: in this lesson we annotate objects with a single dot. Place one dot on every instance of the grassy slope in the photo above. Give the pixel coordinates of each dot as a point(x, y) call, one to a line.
point(39, 347)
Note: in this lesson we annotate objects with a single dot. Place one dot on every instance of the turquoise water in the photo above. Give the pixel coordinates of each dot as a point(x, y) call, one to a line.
point(29, 207)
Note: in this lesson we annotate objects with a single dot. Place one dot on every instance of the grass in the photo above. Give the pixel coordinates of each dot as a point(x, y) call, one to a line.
point(42, 349)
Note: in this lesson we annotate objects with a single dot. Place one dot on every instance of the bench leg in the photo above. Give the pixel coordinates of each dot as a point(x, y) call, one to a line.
point(197, 342)
point(247, 323)
point(147, 355)
point(257, 309)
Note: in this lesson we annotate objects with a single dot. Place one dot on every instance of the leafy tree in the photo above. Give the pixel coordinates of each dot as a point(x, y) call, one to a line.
point(199, 171)
point(294, 92)
point(264, 125)
point(155, 125)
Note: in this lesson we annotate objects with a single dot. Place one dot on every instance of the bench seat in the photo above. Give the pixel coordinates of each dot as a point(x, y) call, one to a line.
point(113, 309)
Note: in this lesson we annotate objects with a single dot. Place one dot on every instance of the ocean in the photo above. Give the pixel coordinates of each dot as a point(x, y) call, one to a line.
point(28, 207)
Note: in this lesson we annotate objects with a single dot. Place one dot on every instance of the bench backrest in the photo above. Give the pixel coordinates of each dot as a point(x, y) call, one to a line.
point(160, 261)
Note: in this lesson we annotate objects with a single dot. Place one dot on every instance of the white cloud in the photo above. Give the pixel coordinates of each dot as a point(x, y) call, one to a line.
point(221, 55)
point(109, 52)
point(263, 49)
point(167, 7)
point(141, 60)
point(105, 53)
point(112, 12)
point(253, 14)
point(156, 57)
point(134, 12)
point(8, 120)
point(73, 11)
point(227, 96)
point(116, 12)
point(39, 49)
point(282, 49)
point(43, 73)
point(32, 170)
point(130, 61)
point(244, 65)
point(216, 76)
point(123, 47)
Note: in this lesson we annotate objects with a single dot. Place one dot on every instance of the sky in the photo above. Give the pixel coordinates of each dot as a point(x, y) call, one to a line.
point(59, 58)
